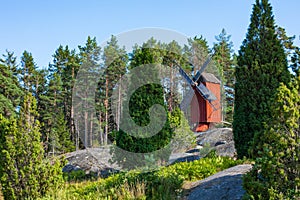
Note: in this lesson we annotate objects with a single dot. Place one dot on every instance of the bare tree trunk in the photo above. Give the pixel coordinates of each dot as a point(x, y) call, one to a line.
point(72, 124)
point(86, 129)
point(100, 129)
point(53, 148)
point(106, 111)
point(171, 90)
point(119, 105)
point(91, 129)
point(76, 134)
point(117, 116)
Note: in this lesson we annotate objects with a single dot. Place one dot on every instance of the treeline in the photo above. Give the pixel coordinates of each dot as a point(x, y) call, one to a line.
point(52, 87)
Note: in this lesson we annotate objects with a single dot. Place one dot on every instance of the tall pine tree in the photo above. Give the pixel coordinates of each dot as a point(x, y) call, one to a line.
point(262, 65)
point(225, 63)
point(62, 76)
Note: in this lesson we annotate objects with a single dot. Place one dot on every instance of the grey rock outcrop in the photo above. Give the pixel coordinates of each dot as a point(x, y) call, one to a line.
point(220, 139)
point(91, 160)
point(225, 185)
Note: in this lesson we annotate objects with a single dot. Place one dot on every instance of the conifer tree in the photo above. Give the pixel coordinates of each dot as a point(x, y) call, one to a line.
point(262, 65)
point(296, 61)
point(56, 132)
point(276, 173)
point(10, 92)
point(115, 60)
point(65, 67)
point(90, 57)
point(225, 64)
point(139, 107)
point(172, 57)
point(26, 72)
point(23, 171)
point(10, 61)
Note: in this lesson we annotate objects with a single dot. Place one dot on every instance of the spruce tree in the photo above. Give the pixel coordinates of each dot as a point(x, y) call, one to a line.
point(10, 92)
point(262, 65)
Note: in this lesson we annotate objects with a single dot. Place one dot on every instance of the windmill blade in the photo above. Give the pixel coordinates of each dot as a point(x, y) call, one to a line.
point(186, 77)
point(205, 93)
point(202, 68)
point(187, 100)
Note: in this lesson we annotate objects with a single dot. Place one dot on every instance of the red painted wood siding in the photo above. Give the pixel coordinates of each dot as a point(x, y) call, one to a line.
point(202, 111)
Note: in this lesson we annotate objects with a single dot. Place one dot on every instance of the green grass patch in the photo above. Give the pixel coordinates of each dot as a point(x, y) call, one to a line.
point(164, 183)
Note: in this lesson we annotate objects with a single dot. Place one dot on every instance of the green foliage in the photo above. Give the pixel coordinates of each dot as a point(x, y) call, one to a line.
point(225, 63)
point(183, 137)
point(77, 175)
point(23, 171)
point(10, 61)
point(58, 95)
point(262, 65)
point(276, 172)
point(164, 183)
point(296, 61)
point(140, 104)
point(56, 133)
point(60, 136)
point(115, 61)
point(10, 92)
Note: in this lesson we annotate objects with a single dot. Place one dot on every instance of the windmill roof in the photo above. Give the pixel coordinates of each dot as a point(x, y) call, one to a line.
point(208, 77)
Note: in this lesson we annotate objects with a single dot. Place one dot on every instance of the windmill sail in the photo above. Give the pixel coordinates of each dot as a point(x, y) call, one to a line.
point(205, 93)
point(186, 77)
point(201, 70)
point(187, 100)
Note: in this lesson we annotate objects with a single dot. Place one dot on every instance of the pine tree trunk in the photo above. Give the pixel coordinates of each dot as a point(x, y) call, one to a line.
point(86, 129)
point(72, 124)
point(119, 105)
point(76, 136)
point(100, 130)
point(91, 129)
point(106, 111)
point(171, 89)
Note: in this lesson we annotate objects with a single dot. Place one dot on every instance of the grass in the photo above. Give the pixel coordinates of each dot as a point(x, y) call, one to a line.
point(165, 183)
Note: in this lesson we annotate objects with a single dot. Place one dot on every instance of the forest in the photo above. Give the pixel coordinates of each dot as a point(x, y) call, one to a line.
point(77, 102)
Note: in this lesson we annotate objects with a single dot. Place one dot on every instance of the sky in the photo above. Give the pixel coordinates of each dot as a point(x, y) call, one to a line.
point(41, 26)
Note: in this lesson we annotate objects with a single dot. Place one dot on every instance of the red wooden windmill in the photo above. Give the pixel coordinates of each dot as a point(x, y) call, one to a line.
point(204, 98)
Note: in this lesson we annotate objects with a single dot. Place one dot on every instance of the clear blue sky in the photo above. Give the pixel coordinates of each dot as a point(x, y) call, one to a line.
point(41, 26)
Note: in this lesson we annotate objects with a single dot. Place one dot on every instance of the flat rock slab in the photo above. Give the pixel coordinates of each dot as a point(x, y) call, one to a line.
point(225, 185)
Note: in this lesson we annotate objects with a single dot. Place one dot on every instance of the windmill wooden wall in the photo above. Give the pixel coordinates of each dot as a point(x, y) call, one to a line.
point(201, 110)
